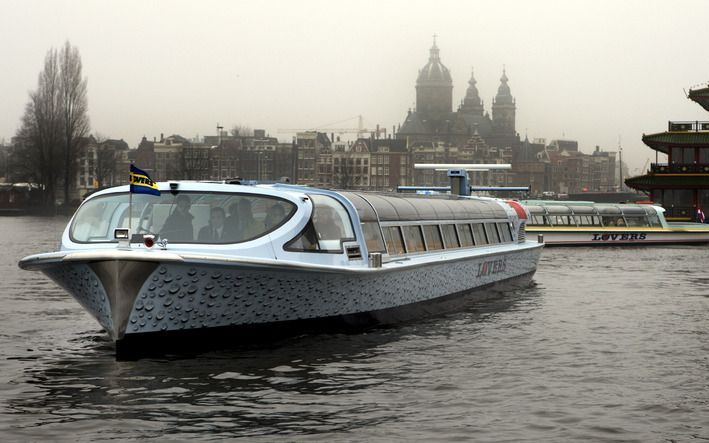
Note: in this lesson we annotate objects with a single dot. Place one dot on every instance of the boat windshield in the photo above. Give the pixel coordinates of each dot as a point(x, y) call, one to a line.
point(189, 217)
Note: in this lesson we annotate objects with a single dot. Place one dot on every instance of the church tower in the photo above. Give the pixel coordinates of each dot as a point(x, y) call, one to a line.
point(503, 109)
point(472, 103)
point(434, 86)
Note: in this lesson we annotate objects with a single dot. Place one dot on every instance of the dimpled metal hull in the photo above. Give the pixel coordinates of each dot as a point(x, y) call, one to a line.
point(183, 296)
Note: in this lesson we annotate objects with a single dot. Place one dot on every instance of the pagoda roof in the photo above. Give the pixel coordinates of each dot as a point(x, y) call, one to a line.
point(664, 140)
point(668, 181)
point(701, 96)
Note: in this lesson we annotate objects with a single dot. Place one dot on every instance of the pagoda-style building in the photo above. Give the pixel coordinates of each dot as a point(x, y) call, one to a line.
point(681, 185)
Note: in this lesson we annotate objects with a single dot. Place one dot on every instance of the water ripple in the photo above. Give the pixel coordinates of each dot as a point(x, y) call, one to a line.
point(606, 345)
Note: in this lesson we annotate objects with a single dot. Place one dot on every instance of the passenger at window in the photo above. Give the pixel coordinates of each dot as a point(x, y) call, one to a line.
point(274, 216)
point(620, 222)
point(246, 226)
point(215, 231)
point(232, 219)
point(178, 226)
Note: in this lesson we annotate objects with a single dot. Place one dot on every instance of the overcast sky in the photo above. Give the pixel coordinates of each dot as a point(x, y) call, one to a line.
point(592, 71)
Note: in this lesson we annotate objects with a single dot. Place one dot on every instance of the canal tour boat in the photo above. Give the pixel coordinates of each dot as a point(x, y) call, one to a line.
point(594, 224)
point(219, 257)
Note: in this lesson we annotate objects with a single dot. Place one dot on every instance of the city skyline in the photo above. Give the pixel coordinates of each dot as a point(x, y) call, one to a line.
point(596, 72)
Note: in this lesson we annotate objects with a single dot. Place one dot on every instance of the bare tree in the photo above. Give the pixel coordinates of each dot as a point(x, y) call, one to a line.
point(241, 131)
point(73, 109)
point(40, 133)
point(54, 122)
point(105, 160)
point(195, 162)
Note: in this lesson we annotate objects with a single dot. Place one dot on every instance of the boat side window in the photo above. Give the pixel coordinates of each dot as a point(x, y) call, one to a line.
point(394, 240)
point(414, 239)
point(373, 237)
point(328, 227)
point(492, 234)
point(640, 221)
point(433, 237)
point(536, 219)
point(654, 221)
point(465, 235)
point(479, 232)
point(588, 220)
point(504, 229)
point(450, 239)
point(561, 220)
point(609, 220)
point(306, 241)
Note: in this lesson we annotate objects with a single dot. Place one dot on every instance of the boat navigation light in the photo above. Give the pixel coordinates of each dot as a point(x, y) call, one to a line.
point(149, 240)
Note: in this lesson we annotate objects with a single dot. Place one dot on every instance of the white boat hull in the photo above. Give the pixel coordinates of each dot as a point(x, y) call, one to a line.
point(619, 236)
point(133, 297)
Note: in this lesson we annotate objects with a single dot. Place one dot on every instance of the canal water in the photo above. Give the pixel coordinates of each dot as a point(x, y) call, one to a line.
point(606, 345)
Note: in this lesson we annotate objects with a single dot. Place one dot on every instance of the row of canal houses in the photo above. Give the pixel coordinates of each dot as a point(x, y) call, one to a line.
point(311, 159)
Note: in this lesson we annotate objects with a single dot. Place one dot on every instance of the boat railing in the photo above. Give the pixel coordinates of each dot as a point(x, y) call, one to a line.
point(687, 126)
point(679, 168)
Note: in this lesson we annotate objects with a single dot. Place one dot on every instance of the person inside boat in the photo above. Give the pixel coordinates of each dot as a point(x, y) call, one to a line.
point(231, 220)
point(327, 225)
point(243, 224)
point(215, 231)
point(620, 222)
point(178, 226)
point(274, 216)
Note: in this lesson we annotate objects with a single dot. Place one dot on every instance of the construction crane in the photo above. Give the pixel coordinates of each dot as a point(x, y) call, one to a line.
point(360, 130)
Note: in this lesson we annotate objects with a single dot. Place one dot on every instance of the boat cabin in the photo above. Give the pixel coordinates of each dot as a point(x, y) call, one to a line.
point(277, 220)
point(584, 214)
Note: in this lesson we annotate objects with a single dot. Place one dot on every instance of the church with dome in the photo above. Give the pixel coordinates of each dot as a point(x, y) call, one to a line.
point(434, 121)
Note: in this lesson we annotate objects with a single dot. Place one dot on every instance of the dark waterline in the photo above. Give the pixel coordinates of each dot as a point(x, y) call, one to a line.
point(606, 345)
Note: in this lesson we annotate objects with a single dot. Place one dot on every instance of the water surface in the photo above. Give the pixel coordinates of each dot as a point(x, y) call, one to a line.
point(606, 345)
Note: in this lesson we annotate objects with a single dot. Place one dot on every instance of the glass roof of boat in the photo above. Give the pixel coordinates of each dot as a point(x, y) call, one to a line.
point(559, 207)
point(394, 207)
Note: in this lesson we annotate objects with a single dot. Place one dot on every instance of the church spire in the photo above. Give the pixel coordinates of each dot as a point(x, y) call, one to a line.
point(503, 108)
point(503, 92)
point(434, 52)
point(472, 103)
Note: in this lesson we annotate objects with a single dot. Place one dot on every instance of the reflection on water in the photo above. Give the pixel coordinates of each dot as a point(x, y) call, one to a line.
point(300, 385)
point(607, 345)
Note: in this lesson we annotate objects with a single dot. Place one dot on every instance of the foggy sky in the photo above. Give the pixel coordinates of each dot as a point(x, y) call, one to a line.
point(592, 71)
